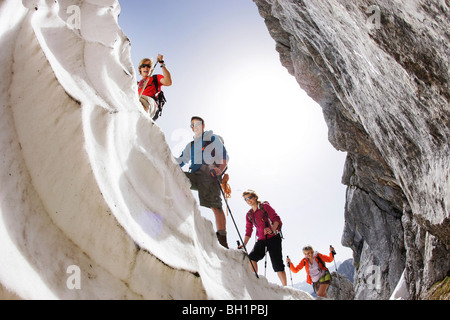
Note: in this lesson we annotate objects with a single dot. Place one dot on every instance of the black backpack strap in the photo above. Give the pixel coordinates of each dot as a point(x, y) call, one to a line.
point(250, 217)
point(159, 97)
point(155, 82)
point(265, 214)
point(320, 261)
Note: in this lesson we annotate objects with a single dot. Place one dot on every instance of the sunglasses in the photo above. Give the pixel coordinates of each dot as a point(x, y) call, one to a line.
point(307, 248)
point(249, 198)
point(145, 66)
point(196, 124)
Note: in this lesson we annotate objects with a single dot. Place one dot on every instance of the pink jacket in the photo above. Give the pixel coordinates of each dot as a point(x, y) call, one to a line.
point(258, 219)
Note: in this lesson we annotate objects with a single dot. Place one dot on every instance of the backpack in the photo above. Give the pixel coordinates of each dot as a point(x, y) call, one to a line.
point(320, 261)
point(159, 98)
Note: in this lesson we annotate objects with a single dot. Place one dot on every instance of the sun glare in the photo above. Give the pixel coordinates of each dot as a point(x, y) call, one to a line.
point(269, 111)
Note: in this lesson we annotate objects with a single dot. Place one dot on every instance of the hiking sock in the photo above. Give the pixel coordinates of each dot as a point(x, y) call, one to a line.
point(222, 237)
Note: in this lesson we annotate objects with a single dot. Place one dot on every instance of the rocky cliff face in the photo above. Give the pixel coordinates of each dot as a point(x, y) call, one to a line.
point(380, 73)
point(92, 203)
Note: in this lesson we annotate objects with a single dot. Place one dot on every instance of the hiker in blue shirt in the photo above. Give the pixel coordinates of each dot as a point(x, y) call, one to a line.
point(208, 161)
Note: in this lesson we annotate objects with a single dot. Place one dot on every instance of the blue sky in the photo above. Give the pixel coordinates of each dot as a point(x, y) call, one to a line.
point(225, 68)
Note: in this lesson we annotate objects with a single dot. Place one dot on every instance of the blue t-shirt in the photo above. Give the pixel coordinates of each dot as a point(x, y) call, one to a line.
point(207, 149)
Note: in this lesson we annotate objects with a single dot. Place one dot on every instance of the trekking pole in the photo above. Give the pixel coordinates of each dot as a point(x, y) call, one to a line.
point(290, 272)
point(265, 259)
point(149, 76)
point(334, 253)
point(265, 253)
point(213, 173)
point(246, 253)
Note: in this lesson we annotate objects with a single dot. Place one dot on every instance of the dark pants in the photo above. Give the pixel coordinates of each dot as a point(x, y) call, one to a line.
point(275, 252)
point(207, 186)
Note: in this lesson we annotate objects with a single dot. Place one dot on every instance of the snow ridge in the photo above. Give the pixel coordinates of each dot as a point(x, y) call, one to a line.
point(88, 180)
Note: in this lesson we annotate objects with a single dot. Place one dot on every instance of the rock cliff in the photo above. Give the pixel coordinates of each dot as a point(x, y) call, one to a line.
point(380, 73)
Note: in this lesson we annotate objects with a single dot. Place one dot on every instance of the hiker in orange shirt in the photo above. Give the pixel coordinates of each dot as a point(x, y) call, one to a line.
point(316, 271)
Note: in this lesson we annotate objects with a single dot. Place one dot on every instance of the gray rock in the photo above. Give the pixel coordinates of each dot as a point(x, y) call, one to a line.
point(340, 288)
point(347, 269)
point(380, 74)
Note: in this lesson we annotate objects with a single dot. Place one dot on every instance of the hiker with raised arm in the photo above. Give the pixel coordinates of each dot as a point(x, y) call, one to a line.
point(317, 273)
point(208, 160)
point(268, 233)
point(149, 88)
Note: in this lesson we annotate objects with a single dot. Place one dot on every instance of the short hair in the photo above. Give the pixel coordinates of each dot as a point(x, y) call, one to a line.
point(197, 118)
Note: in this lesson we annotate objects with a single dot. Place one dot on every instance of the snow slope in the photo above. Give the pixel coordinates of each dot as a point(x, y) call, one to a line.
point(88, 180)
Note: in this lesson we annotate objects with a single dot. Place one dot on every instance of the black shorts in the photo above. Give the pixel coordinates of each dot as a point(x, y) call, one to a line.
point(274, 249)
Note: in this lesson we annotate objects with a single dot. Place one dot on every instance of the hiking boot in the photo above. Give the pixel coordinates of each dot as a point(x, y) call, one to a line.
point(222, 239)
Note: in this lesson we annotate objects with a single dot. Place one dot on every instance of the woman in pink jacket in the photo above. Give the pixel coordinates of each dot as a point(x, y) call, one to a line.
point(268, 233)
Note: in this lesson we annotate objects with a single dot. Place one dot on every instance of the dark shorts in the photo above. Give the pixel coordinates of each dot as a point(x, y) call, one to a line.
point(325, 279)
point(274, 249)
point(208, 188)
